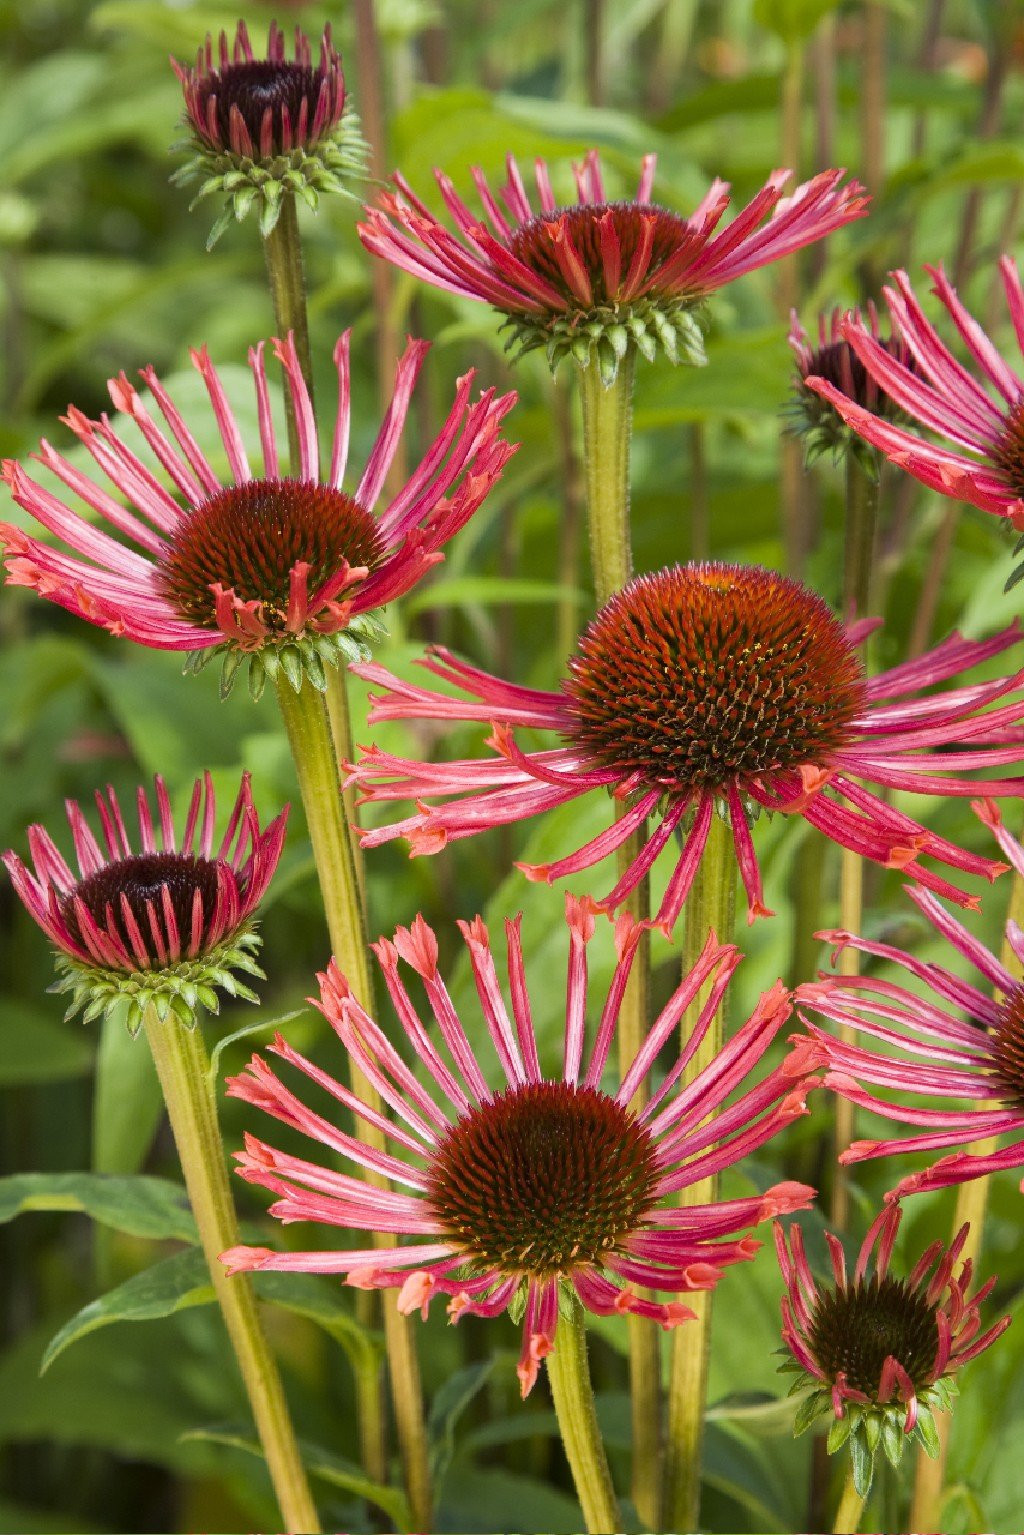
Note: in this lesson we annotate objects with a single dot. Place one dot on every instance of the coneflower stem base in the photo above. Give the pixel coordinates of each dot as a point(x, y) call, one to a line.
point(283, 251)
point(607, 427)
point(851, 1507)
point(183, 1069)
point(573, 1396)
point(711, 905)
point(309, 736)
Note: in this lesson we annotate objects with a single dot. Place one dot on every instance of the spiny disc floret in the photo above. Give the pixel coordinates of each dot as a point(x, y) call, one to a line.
point(139, 882)
point(643, 237)
point(1008, 453)
point(248, 537)
point(543, 1178)
point(253, 86)
point(1008, 1048)
point(699, 676)
point(856, 1328)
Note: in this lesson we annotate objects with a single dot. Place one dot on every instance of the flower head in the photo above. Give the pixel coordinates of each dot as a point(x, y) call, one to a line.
point(811, 415)
point(985, 462)
point(597, 278)
point(881, 1353)
point(509, 1195)
point(263, 128)
point(162, 927)
point(706, 689)
point(961, 1046)
point(285, 573)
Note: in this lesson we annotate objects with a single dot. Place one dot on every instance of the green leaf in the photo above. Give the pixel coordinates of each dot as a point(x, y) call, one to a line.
point(169, 1286)
point(142, 1207)
point(322, 1463)
point(317, 1299)
point(792, 20)
point(128, 1103)
point(34, 1047)
point(447, 1408)
point(259, 1027)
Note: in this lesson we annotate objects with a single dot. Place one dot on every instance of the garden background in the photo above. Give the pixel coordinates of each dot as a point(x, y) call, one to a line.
point(136, 1423)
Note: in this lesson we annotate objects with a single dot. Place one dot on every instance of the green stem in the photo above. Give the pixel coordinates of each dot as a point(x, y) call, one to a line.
point(607, 424)
point(283, 251)
point(851, 1507)
point(183, 1069)
point(309, 736)
point(607, 420)
point(711, 905)
point(340, 716)
point(573, 1395)
point(861, 517)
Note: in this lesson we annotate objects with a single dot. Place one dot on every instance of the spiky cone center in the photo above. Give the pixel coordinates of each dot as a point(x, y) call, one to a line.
point(542, 1179)
point(249, 537)
point(252, 87)
point(838, 364)
point(132, 898)
point(1008, 1048)
point(1008, 453)
point(699, 676)
point(855, 1328)
point(595, 247)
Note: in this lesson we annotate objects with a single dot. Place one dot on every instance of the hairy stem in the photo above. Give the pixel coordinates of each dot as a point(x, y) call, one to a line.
point(309, 736)
point(183, 1069)
point(711, 906)
point(851, 1507)
point(573, 1396)
point(607, 427)
point(283, 251)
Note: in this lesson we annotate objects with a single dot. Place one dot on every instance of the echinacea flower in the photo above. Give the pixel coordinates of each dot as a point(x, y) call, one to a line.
point(264, 128)
point(813, 417)
point(596, 278)
point(984, 462)
point(880, 1353)
point(284, 572)
point(959, 1053)
point(704, 689)
point(161, 927)
point(508, 1196)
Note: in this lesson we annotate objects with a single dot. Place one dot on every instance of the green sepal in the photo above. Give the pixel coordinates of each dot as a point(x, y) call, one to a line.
point(178, 990)
point(839, 1432)
point(517, 1303)
point(607, 333)
point(863, 1461)
point(296, 656)
point(247, 184)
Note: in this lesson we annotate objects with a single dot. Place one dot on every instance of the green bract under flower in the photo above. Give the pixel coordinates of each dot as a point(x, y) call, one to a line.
point(263, 128)
point(162, 929)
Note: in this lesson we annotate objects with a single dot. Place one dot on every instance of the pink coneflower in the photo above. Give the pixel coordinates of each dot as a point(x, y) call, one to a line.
point(881, 1352)
point(705, 689)
point(596, 278)
point(833, 358)
point(166, 925)
point(510, 1195)
point(264, 128)
point(962, 1046)
point(285, 571)
point(985, 464)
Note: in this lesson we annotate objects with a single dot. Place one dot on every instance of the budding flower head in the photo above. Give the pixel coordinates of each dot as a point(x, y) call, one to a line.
point(811, 415)
point(265, 127)
point(161, 927)
point(879, 1353)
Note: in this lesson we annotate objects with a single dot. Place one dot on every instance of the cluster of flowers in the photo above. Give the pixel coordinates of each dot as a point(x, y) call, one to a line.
point(696, 691)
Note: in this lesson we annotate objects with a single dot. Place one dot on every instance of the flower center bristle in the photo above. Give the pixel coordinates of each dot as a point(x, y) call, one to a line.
point(838, 364)
point(702, 675)
point(249, 536)
point(1009, 453)
point(1008, 1047)
point(253, 86)
point(536, 242)
point(854, 1330)
point(141, 878)
point(542, 1179)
